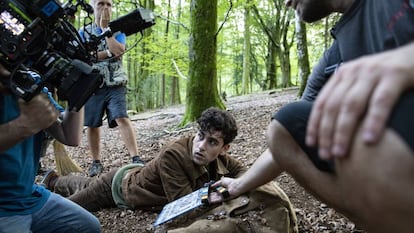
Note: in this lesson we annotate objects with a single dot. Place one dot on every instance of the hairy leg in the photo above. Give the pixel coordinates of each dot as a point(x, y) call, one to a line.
point(378, 183)
point(372, 186)
point(128, 135)
point(291, 158)
point(94, 142)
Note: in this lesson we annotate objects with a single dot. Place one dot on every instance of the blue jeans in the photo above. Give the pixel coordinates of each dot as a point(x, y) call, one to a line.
point(57, 215)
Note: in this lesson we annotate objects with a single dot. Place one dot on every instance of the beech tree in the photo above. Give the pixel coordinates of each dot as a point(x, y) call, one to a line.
point(202, 91)
point(303, 55)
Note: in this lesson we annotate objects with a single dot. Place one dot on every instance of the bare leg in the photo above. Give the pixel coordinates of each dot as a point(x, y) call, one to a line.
point(128, 135)
point(372, 186)
point(94, 142)
point(378, 183)
point(288, 154)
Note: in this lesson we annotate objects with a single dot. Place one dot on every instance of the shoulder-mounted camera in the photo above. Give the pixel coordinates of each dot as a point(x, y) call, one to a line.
point(38, 36)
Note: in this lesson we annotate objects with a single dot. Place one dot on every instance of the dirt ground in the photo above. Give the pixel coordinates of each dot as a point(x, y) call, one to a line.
point(156, 128)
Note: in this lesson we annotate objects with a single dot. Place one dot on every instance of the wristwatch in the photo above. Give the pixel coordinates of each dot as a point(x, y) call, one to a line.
point(104, 30)
point(108, 53)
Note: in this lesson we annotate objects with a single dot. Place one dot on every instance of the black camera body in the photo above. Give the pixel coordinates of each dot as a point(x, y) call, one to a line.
point(38, 37)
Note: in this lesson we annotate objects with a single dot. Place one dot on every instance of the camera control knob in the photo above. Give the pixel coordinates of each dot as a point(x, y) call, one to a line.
point(11, 47)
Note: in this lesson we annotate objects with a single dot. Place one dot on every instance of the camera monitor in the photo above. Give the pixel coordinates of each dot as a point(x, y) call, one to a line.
point(133, 22)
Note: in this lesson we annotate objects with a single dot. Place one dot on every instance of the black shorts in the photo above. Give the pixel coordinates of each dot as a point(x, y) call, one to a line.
point(294, 118)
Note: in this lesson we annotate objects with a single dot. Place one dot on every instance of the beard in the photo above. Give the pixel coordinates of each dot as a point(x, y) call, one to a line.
point(312, 11)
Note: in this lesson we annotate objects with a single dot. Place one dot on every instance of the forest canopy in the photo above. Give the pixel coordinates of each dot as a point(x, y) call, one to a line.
point(255, 46)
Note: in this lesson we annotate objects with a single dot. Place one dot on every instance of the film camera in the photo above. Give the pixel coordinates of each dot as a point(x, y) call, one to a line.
point(41, 47)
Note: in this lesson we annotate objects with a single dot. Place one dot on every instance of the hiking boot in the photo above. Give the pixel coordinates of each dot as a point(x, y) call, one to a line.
point(137, 159)
point(95, 169)
point(49, 180)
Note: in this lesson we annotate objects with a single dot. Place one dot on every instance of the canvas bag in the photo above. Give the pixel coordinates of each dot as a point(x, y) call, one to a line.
point(266, 209)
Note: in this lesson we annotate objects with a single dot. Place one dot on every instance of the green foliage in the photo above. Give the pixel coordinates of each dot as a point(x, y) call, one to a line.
point(159, 54)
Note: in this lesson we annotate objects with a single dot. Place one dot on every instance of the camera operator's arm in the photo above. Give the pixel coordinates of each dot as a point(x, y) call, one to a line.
point(37, 114)
point(69, 130)
point(115, 47)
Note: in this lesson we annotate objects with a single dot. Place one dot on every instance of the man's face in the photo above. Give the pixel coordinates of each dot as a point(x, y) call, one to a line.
point(207, 147)
point(311, 10)
point(100, 5)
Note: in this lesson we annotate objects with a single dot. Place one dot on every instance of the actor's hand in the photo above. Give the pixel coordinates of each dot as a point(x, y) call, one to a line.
point(361, 93)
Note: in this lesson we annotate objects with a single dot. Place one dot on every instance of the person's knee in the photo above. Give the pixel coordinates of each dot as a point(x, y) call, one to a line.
point(96, 225)
point(93, 131)
point(123, 121)
point(272, 131)
point(283, 147)
point(87, 223)
point(276, 134)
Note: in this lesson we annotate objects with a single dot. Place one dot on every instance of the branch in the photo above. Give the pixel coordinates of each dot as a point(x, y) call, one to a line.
point(225, 18)
point(265, 29)
point(172, 21)
point(178, 70)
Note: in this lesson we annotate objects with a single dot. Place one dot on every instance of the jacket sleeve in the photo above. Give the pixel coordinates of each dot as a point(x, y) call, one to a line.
point(173, 175)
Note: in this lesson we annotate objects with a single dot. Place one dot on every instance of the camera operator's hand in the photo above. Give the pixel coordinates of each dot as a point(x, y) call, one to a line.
point(37, 114)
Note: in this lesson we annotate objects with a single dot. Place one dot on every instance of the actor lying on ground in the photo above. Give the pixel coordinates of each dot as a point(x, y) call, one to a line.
point(182, 167)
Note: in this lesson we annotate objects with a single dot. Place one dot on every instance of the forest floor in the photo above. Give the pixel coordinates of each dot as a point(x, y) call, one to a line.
point(158, 127)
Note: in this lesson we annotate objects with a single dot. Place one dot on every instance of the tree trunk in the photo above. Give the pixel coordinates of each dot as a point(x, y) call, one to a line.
point(151, 98)
point(246, 51)
point(303, 56)
point(175, 85)
point(163, 76)
point(271, 67)
point(202, 90)
point(286, 43)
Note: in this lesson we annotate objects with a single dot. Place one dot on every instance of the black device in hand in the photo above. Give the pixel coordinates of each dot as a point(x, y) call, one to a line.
point(220, 189)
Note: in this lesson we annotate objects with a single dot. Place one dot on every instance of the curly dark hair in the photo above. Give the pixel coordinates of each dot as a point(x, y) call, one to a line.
point(214, 119)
